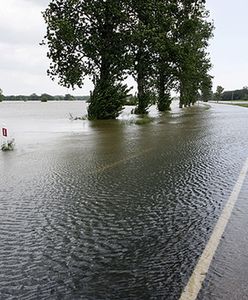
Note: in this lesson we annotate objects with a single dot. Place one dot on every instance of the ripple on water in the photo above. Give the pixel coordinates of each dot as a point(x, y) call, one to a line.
point(107, 226)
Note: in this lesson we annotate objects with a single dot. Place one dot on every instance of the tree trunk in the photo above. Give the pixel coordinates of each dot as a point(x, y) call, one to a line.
point(143, 99)
point(164, 99)
point(182, 100)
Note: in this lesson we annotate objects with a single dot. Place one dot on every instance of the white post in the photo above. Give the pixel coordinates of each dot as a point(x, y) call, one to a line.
point(4, 136)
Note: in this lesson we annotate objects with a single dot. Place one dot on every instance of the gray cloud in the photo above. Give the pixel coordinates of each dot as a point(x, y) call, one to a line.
point(23, 62)
point(42, 3)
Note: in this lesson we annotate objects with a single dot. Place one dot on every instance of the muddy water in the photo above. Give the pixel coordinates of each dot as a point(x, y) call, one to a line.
point(110, 209)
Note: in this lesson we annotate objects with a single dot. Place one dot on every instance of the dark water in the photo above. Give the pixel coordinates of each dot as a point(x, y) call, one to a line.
point(112, 210)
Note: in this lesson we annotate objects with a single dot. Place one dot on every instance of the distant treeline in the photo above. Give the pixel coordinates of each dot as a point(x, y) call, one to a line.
point(129, 100)
point(235, 95)
point(45, 97)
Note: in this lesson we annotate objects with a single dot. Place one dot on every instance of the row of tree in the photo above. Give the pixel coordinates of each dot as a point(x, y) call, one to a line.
point(162, 44)
point(43, 97)
point(220, 94)
point(241, 94)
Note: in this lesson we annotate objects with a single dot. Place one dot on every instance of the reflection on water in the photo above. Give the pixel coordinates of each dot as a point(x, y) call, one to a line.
point(113, 210)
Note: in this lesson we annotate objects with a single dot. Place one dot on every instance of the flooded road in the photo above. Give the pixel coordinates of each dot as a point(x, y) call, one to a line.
point(110, 209)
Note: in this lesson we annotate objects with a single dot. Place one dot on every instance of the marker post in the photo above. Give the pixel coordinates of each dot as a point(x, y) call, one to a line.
point(7, 144)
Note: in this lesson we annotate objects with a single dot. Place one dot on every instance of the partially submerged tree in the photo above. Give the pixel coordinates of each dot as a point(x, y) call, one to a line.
point(161, 43)
point(87, 37)
point(193, 31)
point(140, 48)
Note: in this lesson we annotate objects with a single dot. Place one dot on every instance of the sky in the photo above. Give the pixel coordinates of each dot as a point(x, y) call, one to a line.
point(23, 62)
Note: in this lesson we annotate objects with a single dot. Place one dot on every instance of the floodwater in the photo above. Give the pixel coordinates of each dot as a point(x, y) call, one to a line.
point(111, 209)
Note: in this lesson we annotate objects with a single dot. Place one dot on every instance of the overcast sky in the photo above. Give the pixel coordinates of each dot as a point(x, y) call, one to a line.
point(23, 61)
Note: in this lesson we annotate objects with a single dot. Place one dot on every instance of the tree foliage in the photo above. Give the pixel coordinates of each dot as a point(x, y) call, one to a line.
point(241, 94)
point(141, 39)
point(206, 89)
point(1, 95)
point(192, 32)
point(161, 43)
point(45, 97)
point(218, 93)
point(87, 37)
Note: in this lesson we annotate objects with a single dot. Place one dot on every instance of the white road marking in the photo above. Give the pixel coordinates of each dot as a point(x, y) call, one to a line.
point(195, 282)
point(116, 163)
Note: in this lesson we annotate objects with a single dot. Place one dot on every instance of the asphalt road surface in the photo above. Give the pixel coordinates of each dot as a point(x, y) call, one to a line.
point(115, 210)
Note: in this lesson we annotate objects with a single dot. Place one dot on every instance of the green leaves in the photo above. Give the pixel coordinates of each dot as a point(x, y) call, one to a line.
point(1, 95)
point(193, 30)
point(107, 100)
point(161, 43)
point(218, 93)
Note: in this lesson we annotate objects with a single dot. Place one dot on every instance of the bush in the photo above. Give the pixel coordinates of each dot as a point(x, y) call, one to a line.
point(107, 100)
point(144, 119)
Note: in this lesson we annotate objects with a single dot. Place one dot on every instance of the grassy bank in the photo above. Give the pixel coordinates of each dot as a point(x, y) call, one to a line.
point(241, 104)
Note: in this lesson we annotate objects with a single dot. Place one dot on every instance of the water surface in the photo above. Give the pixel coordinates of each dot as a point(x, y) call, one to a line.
point(110, 209)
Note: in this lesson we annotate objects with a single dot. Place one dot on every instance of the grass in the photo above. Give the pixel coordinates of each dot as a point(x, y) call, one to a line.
point(232, 102)
point(241, 104)
point(235, 100)
point(8, 145)
point(144, 119)
point(82, 118)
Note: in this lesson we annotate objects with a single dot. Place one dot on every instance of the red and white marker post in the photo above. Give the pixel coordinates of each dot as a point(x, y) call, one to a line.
point(5, 132)
point(4, 137)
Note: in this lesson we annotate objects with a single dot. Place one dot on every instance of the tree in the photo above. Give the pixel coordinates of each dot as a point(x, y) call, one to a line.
point(88, 37)
point(34, 97)
point(141, 31)
point(1, 95)
point(161, 43)
point(218, 93)
point(206, 89)
point(191, 35)
point(163, 47)
point(46, 97)
point(69, 97)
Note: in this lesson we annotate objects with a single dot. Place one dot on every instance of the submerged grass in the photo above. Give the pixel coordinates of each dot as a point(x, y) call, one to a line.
point(143, 119)
point(8, 145)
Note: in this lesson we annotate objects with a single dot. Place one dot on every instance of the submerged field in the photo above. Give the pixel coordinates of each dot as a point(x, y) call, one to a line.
point(111, 209)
